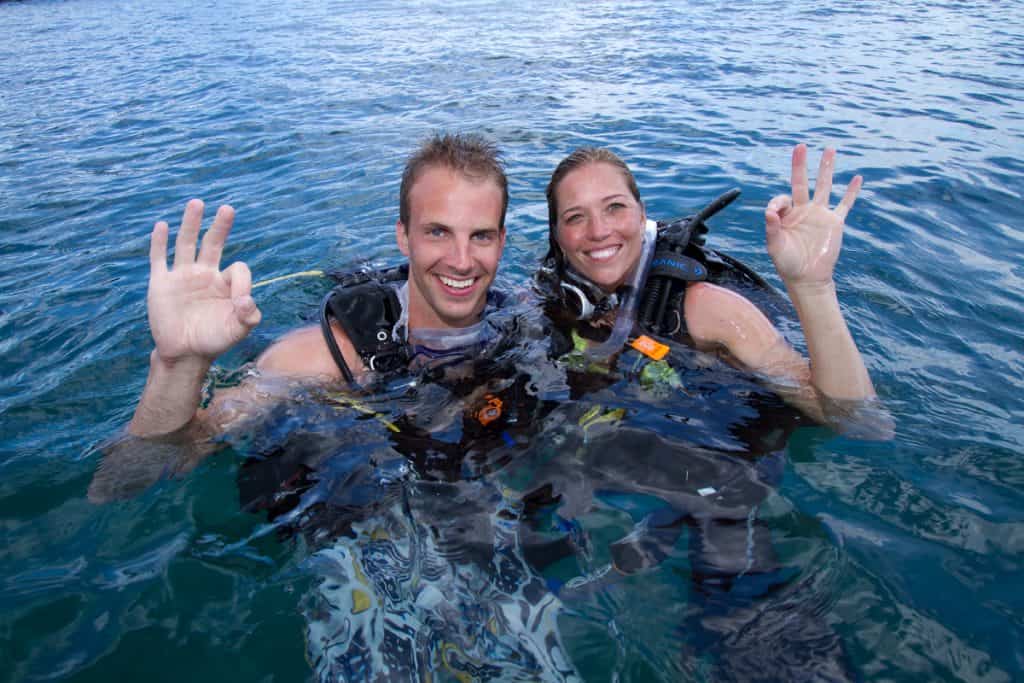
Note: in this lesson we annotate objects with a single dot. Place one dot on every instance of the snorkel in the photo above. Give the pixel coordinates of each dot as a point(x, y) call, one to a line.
point(625, 317)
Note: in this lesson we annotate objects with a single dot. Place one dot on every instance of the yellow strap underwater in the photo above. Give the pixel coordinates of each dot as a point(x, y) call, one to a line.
point(303, 273)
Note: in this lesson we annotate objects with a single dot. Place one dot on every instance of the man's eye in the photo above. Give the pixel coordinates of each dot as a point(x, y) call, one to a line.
point(437, 232)
point(486, 236)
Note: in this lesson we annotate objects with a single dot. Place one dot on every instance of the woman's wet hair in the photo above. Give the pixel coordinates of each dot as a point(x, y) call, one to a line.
point(579, 158)
point(471, 155)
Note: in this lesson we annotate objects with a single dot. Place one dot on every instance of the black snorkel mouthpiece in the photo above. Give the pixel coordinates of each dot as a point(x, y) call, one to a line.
point(671, 269)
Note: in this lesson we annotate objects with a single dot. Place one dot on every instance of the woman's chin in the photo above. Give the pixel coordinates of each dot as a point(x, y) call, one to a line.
point(607, 282)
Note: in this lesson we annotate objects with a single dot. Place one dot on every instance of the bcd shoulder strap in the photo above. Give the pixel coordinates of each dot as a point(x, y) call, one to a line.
point(366, 307)
point(681, 257)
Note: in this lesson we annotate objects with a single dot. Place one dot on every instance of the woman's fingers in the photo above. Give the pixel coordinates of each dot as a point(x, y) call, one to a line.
point(188, 234)
point(780, 204)
point(801, 194)
point(849, 198)
point(773, 213)
point(823, 185)
point(215, 238)
point(158, 249)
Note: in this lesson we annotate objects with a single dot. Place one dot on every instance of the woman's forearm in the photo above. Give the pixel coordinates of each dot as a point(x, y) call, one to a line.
point(837, 369)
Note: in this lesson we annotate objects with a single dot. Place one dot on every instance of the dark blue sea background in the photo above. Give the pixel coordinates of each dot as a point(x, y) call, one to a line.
point(114, 114)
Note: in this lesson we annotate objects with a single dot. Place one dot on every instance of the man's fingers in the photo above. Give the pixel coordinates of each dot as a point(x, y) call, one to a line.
point(823, 185)
point(849, 198)
point(800, 188)
point(247, 312)
point(188, 234)
point(158, 249)
point(214, 239)
point(239, 279)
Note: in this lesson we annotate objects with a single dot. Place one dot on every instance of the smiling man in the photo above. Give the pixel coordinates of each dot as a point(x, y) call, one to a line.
point(451, 227)
point(453, 200)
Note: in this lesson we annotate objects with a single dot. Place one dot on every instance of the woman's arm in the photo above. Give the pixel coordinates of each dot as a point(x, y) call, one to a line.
point(804, 239)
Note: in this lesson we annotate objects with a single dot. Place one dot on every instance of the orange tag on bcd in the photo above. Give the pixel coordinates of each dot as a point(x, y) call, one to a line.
point(649, 347)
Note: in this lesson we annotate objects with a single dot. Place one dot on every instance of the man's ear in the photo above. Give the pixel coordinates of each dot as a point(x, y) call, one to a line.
point(402, 237)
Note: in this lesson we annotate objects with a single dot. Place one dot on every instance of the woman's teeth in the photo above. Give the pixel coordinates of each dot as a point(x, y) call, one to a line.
point(603, 254)
point(455, 284)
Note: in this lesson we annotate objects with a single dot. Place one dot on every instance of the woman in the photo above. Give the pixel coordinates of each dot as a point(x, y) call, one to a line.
point(597, 272)
point(598, 235)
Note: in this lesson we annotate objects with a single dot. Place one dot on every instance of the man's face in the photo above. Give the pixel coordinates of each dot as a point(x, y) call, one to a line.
point(453, 242)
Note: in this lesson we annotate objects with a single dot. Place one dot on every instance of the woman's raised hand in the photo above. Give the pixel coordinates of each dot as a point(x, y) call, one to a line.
point(196, 310)
point(804, 235)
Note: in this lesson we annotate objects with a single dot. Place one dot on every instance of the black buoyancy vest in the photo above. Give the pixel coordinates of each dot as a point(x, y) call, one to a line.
point(680, 258)
point(366, 306)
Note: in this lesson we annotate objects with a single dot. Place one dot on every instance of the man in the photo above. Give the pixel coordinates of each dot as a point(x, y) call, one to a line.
point(451, 226)
point(453, 202)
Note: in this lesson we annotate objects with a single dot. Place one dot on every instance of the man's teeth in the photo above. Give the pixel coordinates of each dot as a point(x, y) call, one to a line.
point(456, 284)
point(601, 254)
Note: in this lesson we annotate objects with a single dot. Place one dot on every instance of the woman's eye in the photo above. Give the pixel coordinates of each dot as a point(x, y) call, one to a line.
point(574, 219)
point(616, 206)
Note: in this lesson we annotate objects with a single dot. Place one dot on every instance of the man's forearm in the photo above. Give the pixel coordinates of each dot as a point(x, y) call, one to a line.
point(171, 396)
point(837, 369)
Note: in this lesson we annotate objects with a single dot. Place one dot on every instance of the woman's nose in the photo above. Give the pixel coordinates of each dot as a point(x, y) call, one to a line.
point(598, 227)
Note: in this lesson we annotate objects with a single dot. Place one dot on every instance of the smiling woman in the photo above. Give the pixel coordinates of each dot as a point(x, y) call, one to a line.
point(596, 236)
point(600, 224)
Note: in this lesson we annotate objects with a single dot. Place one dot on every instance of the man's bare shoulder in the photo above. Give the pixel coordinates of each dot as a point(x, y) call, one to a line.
point(304, 353)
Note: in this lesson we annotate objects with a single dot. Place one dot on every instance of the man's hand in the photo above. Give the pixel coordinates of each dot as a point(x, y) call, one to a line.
point(804, 236)
point(196, 310)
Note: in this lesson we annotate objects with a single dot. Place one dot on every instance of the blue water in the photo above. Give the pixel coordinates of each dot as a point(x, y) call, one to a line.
point(112, 115)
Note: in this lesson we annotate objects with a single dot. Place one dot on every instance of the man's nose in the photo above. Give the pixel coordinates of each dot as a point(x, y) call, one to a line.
point(460, 258)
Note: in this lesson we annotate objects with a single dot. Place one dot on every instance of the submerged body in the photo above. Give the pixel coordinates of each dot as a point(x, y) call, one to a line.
point(472, 521)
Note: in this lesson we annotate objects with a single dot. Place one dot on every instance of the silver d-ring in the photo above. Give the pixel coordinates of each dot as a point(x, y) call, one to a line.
point(382, 335)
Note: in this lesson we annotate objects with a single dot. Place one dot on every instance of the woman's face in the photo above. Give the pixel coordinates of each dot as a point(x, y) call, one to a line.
point(600, 224)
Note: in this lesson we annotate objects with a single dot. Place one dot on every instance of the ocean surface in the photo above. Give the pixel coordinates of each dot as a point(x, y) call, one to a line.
point(907, 554)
